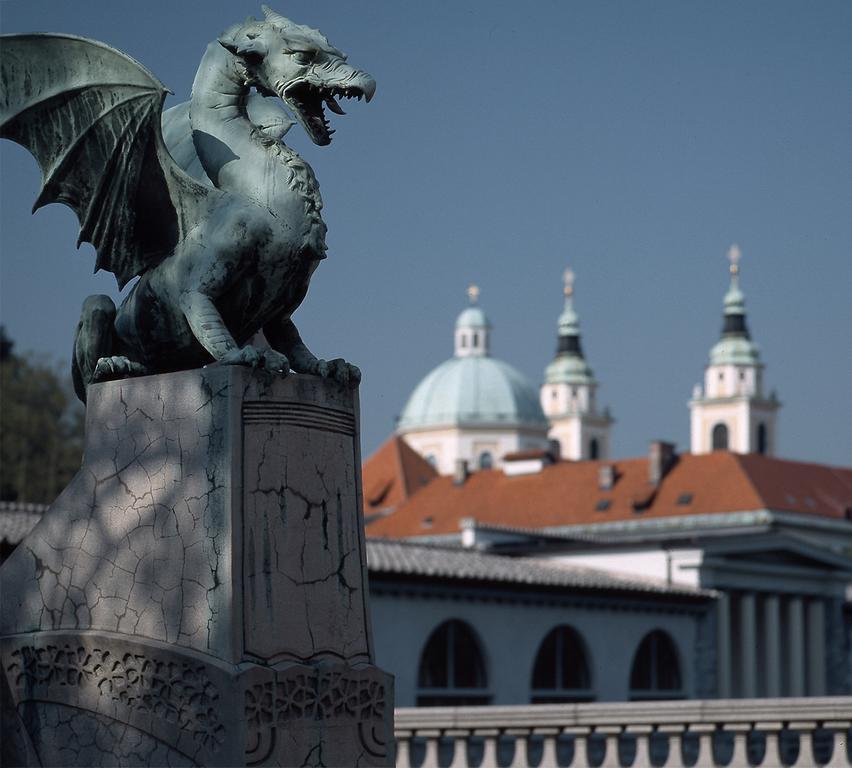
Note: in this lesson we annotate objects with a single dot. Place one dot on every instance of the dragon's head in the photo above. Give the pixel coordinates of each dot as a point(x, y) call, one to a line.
point(298, 65)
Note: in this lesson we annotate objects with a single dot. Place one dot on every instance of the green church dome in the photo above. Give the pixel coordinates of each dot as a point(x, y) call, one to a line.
point(473, 391)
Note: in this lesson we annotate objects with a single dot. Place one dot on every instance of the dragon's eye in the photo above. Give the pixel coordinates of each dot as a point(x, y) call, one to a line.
point(304, 57)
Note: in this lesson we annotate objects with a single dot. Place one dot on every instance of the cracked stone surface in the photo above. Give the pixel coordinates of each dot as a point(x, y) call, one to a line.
point(206, 562)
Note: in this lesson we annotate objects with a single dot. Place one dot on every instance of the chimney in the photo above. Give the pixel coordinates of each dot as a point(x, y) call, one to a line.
point(468, 532)
point(661, 458)
point(461, 472)
point(606, 477)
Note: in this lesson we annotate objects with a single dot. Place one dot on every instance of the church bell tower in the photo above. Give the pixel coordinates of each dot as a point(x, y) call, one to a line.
point(568, 395)
point(730, 412)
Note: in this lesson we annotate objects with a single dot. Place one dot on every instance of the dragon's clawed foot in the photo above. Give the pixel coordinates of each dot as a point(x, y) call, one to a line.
point(339, 370)
point(253, 357)
point(116, 367)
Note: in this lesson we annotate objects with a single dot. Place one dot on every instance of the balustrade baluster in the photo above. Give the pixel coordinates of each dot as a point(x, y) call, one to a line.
point(548, 752)
point(489, 748)
point(459, 738)
point(611, 732)
point(403, 749)
point(739, 757)
point(806, 742)
point(674, 733)
point(581, 746)
point(839, 733)
point(705, 745)
point(772, 753)
point(430, 760)
point(643, 745)
point(520, 758)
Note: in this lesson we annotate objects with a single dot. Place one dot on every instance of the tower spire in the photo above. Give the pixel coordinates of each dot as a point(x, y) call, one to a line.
point(568, 392)
point(735, 315)
point(569, 322)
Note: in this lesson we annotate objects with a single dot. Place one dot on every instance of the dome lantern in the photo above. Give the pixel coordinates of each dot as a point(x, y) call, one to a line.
point(472, 329)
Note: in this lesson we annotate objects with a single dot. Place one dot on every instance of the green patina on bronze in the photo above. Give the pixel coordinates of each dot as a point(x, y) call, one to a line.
point(215, 215)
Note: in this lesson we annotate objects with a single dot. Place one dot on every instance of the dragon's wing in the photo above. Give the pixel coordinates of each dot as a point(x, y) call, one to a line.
point(91, 117)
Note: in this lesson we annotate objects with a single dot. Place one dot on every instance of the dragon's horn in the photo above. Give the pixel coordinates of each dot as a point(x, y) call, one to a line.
point(274, 17)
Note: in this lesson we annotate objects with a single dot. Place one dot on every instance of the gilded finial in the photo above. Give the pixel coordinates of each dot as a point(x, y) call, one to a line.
point(734, 256)
point(473, 293)
point(568, 278)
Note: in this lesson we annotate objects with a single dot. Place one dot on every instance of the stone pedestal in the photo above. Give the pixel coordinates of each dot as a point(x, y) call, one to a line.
point(198, 593)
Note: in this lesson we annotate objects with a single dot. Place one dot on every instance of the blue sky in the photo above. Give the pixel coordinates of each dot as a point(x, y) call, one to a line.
point(634, 141)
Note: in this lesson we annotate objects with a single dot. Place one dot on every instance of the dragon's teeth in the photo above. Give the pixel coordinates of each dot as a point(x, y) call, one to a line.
point(333, 105)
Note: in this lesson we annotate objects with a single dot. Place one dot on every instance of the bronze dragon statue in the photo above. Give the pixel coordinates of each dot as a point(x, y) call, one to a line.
point(215, 215)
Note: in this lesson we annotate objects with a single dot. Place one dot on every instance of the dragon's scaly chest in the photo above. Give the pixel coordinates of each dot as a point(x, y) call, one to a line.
point(294, 195)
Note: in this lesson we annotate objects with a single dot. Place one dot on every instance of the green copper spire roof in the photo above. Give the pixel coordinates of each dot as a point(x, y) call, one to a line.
point(569, 366)
point(735, 347)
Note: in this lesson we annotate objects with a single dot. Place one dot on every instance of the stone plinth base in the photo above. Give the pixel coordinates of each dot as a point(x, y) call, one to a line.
point(198, 594)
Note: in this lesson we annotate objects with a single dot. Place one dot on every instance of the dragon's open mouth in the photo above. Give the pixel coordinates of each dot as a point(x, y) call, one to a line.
point(307, 101)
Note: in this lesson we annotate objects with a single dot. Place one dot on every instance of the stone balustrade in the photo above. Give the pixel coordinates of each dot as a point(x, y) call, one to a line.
point(737, 733)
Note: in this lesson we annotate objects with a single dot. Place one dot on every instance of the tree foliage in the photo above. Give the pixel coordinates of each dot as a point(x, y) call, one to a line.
point(41, 428)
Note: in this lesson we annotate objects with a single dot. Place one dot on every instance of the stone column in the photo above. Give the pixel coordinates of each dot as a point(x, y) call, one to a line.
point(198, 594)
point(723, 645)
point(748, 645)
point(772, 625)
point(796, 647)
point(816, 647)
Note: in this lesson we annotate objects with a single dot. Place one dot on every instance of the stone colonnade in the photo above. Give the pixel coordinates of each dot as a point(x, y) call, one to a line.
point(771, 644)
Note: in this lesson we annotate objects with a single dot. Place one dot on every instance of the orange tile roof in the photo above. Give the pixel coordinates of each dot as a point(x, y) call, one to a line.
point(567, 493)
point(392, 474)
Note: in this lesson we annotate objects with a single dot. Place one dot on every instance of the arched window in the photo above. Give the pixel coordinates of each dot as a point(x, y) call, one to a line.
point(594, 449)
point(561, 670)
point(432, 459)
point(762, 438)
point(720, 437)
point(655, 673)
point(452, 668)
point(486, 460)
